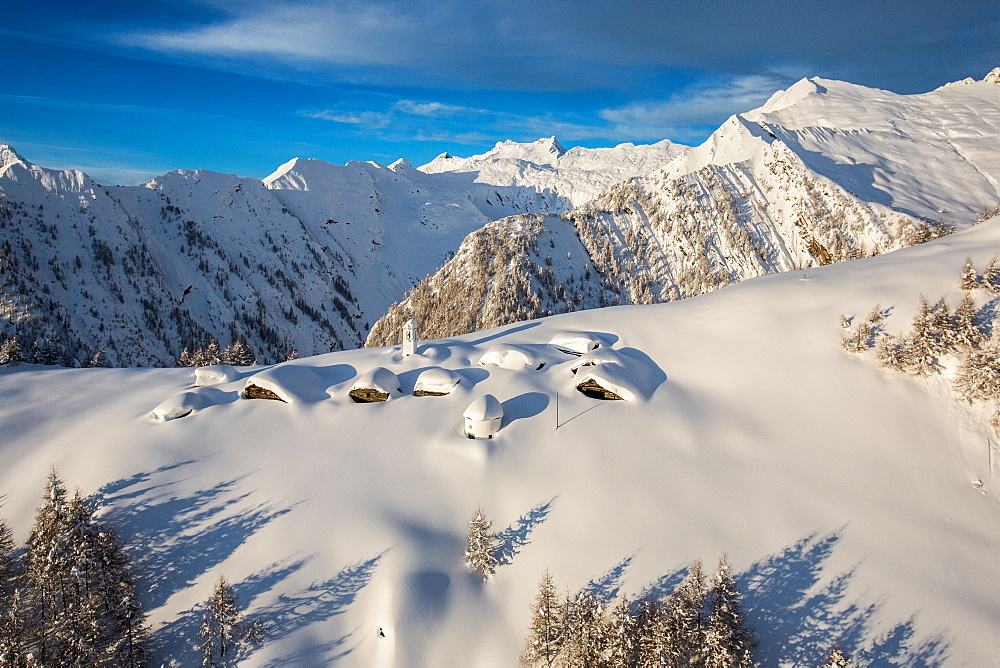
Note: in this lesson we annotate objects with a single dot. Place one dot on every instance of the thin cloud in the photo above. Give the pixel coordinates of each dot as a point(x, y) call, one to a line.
point(435, 109)
point(368, 119)
point(693, 107)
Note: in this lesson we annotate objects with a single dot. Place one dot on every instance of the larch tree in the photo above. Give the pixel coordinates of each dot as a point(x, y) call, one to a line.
point(969, 279)
point(966, 335)
point(728, 640)
point(547, 628)
point(586, 632)
point(621, 635)
point(991, 276)
point(686, 623)
point(224, 634)
point(836, 658)
point(481, 545)
point(978, 376)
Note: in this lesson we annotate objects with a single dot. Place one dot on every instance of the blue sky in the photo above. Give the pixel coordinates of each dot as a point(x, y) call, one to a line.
point(129, 90)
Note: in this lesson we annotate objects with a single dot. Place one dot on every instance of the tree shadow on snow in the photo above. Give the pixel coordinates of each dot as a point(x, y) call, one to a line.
point(798, 620)
point(606, 587)
point(513, 538)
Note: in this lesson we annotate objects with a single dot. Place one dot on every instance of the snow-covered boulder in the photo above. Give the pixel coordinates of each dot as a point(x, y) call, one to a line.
point(576, 342)
point(291, 383)
point(216, 374)
point(379, 384)
point(483, 417)
point(179, 406)
point(512, 356)
point(436, 381)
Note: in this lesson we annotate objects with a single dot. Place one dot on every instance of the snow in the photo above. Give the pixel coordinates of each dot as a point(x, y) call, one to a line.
point(380, 379)
point(293, 383)
point(842, 493)
point(578, 342)
point(179, 406)
point(509, 356)
point(484, 408)
point(215, 374)
point(437, 379)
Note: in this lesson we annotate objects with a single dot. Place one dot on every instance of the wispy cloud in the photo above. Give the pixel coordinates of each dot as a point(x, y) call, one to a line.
point(367, 119)
point(435, 109)
point(697, 106)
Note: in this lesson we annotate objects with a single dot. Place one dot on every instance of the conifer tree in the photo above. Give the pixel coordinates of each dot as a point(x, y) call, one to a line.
point(586, 632)
point(978, 376)
point(224, 633)
point(47, 571)
point(6, 557)
point(970, 279)
point(18, 621)
point(686, 624)
point(991, 276)
point(652, 634)
point(728, 641)
point(923, 343)
point(548, 626)
point(10, 351)
point(892, 352)
point(966, 335)
point(836, 658)
point(480, 552)
point(621, 635)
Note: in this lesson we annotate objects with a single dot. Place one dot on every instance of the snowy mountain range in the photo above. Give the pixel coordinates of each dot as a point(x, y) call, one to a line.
point(312, 256)
point(825, 171)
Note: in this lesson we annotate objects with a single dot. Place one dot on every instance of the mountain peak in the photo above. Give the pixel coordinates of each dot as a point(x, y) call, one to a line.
point(8, 157)
point(993, 77)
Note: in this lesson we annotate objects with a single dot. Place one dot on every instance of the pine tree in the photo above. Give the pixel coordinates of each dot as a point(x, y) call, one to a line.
point(991, 277)
point(224, 633)
point(967, 335)
point(652, 634)
point(548, 626)
point(6, 557)
point(47, 571)
point(836, 658)
point(18, 624)
point(79, 578)
point(685, 637)
point(728, 641)
point(970, 279)
point(943, 327)
point(892, 352)
point(480, 552)
point(238, 354)
point(923, 345)
point(978, 376)
point(98, 360)
point(621, 635)
point(10, 351)
point(586, 639)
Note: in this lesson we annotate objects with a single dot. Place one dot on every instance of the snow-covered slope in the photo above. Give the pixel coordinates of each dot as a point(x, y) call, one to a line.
point(306, 259)
point(824, 171)
point(842, 492)
point(579, 174)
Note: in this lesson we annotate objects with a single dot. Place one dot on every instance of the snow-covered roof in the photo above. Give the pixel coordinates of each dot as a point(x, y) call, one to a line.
point(437, 379)
point(179, 406)
point(380, 379)
point(579, 342)
point(215, 374)
point(486, 407)
point(599, 356)
point(627, 376)
point(293, 383)
point(511, 356)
